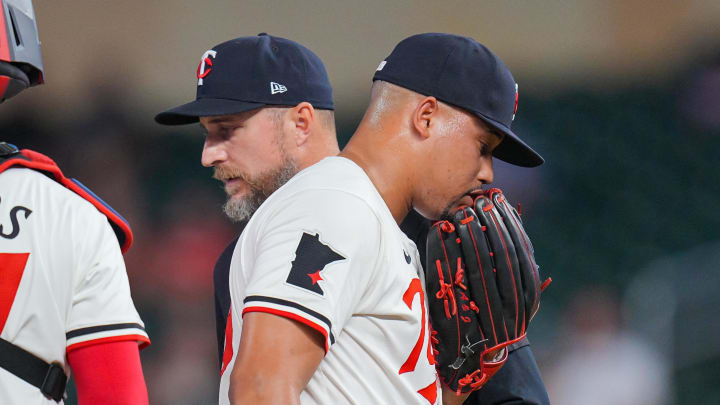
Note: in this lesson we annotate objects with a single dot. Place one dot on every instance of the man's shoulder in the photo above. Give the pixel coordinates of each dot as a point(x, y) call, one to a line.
point(334, 177)
point(39, 186)
point(330, 197)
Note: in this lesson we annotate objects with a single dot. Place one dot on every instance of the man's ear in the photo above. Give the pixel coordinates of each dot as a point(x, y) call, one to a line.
point(425, 115)
point(302, 118)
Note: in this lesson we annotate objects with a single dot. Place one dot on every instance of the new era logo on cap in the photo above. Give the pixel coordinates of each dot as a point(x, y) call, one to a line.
point(277, 88)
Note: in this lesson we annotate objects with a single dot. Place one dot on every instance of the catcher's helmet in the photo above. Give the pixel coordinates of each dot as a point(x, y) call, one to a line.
point(20, 58)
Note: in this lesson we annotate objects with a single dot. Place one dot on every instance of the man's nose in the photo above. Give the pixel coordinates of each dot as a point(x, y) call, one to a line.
point(486, 173)
point(212, 154)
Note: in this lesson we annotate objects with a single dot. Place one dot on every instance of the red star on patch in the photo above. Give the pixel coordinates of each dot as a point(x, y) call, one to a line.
point(315, 277)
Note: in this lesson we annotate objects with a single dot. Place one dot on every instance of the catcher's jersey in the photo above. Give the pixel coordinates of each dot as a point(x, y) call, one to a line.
point(325, 250)
point(63, 283)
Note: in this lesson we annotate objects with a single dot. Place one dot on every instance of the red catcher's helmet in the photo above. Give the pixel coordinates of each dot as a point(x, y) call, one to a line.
point(20, 58)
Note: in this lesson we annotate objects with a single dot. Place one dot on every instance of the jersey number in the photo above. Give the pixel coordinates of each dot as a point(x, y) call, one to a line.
point(12, 266)
point(415, 288)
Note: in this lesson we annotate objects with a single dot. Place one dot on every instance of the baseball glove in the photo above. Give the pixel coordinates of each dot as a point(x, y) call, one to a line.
point(483, 289)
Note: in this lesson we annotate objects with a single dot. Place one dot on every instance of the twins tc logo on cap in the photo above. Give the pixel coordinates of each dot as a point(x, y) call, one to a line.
point(205, 66)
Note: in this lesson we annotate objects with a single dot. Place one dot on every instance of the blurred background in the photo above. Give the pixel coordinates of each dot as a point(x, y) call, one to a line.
point(621, 97)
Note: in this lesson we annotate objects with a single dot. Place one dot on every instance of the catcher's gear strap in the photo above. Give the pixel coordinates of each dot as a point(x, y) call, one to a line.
point(49, 378)
point(10, 156)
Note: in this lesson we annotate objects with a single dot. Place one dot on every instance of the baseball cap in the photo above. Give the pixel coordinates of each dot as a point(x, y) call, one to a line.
point(462, 72)
point(247, 73)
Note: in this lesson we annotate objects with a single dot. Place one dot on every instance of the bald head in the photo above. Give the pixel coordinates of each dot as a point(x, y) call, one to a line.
point(421, 152)
point(387, 99)
point(325, 119)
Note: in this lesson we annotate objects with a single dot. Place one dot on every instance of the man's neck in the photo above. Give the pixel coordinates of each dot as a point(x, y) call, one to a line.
point(387, 168)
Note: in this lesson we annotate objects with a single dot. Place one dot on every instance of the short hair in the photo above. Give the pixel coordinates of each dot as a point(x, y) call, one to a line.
point(325, 117)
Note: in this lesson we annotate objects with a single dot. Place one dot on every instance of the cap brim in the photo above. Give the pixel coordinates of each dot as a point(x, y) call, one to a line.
point(204, 107)
point(512, 149)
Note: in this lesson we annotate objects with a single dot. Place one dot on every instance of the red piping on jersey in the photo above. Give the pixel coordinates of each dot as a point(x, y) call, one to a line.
point(228, 351)
point(294, 317)
point(38, 161)
point(143, 340)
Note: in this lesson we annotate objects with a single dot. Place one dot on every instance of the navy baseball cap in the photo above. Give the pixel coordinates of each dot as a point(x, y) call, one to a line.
point(462, 72)
point(247, 73)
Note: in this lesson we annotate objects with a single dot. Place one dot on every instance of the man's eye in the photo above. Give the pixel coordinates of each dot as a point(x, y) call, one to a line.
point(226, 132)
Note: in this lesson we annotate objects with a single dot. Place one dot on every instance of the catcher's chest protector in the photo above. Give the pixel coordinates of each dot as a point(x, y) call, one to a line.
point(11, 156)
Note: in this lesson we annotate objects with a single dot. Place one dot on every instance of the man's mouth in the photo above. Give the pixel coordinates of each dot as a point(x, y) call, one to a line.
point(467, 199)
point(234, 186)
point(231, 180)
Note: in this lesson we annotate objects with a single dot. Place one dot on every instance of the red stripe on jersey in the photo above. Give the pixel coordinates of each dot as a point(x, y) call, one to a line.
point(12, 266)
point(143, 340)
point(228, 352)
point(292, 316)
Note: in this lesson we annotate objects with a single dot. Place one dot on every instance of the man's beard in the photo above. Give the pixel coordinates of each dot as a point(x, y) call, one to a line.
point(260, 188)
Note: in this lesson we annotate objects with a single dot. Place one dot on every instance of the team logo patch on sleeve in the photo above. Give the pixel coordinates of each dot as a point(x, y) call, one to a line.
point(311, 257)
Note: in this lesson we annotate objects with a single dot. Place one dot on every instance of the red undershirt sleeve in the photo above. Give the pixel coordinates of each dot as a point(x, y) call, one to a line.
point(108, 373)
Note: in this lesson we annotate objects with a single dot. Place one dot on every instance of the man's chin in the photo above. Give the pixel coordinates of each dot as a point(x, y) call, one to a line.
point(236, 197)
point(449, 211)
point(240, 207)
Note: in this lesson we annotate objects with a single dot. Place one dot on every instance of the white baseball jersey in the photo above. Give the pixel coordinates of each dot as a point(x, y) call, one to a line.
point(63, 283)
point(325, 250)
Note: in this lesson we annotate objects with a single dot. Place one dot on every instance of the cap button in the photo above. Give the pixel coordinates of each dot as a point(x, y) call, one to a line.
point(262, 34)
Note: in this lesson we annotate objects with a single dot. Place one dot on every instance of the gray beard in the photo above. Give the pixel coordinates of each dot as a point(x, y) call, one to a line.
point(261, 187)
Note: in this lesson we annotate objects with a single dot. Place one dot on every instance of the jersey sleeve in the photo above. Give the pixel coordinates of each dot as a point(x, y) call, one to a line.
point(313, 259)
point(102, 309)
